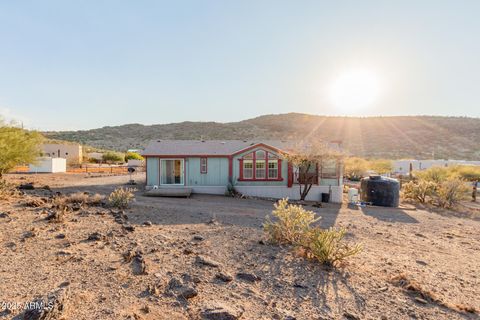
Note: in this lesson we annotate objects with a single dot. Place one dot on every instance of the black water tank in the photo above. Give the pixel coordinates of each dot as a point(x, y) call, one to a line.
point(380, 191)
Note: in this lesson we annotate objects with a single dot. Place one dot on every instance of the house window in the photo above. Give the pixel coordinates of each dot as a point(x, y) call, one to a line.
point(247, 169)
point(329, 169)
point(260, 165)
point(272, 169)
point(203, 165)
point(260, 169)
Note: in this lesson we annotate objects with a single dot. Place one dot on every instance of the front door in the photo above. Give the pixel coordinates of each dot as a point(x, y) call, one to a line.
point(172, 172)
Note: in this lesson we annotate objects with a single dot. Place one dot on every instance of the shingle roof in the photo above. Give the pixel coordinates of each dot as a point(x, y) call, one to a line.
point(208, 147)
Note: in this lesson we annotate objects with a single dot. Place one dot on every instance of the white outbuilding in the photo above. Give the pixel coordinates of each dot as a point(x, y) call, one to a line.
point(48, 165)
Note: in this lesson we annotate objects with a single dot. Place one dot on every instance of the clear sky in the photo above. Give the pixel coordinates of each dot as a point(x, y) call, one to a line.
point(86, 64)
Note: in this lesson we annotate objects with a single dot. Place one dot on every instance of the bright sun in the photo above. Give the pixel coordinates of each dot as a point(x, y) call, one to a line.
point(355, 89)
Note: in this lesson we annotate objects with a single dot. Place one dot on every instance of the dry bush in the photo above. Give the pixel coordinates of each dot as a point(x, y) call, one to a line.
point(293, 225)
point(121, 197)
point(420, 190)
point(292, 222)
point(451, 191)
point(7, 190)
point(444, 187)
point(57, 215)
point(328, 246)
point(80, 198)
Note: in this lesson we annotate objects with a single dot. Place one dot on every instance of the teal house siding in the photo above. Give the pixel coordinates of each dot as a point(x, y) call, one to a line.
point(152, 171)
point(217, 172)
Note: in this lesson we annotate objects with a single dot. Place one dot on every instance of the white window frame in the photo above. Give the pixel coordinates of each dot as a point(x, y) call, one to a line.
point(246, 169)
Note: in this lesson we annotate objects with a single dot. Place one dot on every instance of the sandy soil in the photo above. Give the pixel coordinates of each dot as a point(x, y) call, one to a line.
point(415, 264)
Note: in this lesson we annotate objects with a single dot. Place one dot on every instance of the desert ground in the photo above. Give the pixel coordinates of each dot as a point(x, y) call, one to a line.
point(206, 257)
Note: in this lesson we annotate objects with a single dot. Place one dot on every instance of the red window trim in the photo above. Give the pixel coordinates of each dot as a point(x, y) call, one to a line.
point(206, 165)
point(254, 168)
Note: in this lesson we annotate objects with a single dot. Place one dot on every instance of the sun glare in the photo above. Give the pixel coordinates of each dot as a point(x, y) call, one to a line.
point(354, 90)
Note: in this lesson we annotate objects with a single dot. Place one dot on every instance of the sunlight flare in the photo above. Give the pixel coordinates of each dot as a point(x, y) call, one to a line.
point(355, 89)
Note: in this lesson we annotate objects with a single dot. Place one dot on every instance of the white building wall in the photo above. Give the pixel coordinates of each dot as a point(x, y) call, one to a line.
point(48, 165)
point(403, 166)
point(135, 163)
point(279, 192)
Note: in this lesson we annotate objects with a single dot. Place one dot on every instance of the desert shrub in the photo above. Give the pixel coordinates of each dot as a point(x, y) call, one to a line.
point(355, 168)
point(293, 225)
point(292, 222)
point(121, 197)
point(420, 190)
point(230, 192)
point(58, 215)
point(7, 190)
point(380, 166)
point(133, 156)
point(445, 186)
point(81, 198)
point(112, 157)
point(451, 191)
point(328, 246)
point(469, 173)
point(434, 174)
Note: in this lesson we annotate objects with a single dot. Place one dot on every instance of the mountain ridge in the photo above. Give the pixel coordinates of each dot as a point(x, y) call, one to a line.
point(373, 137)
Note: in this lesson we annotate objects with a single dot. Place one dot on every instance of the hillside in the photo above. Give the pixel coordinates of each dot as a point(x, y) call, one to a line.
point(380, 137)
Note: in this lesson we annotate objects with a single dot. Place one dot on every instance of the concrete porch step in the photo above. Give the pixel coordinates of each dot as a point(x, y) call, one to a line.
point(169, 192)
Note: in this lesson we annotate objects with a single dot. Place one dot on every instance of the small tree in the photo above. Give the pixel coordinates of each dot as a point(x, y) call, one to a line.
point(17, 146)
point(112, 157)
point(305, 158)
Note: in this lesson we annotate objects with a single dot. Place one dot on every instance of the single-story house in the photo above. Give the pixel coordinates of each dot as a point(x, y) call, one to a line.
point(72, 152)
point(254, 168)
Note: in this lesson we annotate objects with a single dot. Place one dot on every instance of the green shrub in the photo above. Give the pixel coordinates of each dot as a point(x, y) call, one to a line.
point(292, 222)
point(133, 156)
point(434, 174)
point(121, 197)
point(451, 191)
point(420, 190)
point(328, 246)
point(469, 173)
point(112, 157)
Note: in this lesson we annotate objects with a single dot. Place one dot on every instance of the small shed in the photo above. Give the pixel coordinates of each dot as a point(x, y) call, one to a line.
point(48, 165)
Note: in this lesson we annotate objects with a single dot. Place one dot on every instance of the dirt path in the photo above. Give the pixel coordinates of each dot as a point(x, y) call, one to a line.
point(437, 256)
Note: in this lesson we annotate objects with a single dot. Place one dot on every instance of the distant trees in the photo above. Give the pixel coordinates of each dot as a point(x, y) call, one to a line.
point(17, 146)
point(357, 168)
